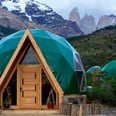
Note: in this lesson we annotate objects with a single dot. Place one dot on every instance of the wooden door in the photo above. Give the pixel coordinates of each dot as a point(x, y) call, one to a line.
point(29, 86)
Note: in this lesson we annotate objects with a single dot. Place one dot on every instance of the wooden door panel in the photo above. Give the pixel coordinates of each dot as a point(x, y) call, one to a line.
point(29, 75)
point(29, 100)
point(29, 80)
point(29, 93)
point(29, 87)
point(29, 84)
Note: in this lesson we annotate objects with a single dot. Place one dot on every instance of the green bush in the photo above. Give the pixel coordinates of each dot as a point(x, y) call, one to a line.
point(103, 91)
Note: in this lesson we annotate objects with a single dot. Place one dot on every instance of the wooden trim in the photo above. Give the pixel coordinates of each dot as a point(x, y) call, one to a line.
point(18, 86)
point(40, 89)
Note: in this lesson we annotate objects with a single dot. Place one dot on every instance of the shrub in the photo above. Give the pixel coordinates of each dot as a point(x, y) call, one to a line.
point(103, 91)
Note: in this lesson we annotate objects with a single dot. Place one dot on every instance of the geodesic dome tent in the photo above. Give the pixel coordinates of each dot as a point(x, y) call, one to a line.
point(63, 60)
point(110, 69)
point(94, 71)
point(93, 68)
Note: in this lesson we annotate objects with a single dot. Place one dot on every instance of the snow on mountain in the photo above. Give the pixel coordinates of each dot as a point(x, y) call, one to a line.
point(20, 5)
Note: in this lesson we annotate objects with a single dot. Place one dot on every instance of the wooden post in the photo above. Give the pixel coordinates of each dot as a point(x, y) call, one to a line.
point(69, 109)
point(75, 110)
point(80, 110)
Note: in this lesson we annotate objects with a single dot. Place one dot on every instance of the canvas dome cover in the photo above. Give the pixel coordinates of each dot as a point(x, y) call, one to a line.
point(93, 68)
point(110, 68)
point(63, 60)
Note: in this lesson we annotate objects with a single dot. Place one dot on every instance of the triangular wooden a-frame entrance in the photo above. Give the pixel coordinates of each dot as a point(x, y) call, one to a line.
point(25, 41)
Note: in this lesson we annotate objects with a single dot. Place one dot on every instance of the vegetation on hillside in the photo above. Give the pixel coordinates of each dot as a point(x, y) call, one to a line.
point(103, 91)
point(97, 48)
point(4, 31)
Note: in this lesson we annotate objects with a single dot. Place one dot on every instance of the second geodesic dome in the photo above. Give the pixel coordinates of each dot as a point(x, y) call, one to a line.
point(110, 69)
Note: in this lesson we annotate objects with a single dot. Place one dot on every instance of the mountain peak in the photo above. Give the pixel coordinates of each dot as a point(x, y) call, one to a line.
point(75, 17)
point(75, 9)
point(88, 24)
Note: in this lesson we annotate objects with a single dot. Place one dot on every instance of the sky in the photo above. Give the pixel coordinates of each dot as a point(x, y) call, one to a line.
point(90, 7)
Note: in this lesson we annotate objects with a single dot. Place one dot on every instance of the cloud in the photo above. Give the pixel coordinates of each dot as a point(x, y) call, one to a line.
point(94, 7)
point(60, 6)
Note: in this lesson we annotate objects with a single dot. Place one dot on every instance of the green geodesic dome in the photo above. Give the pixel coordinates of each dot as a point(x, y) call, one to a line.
point(63, 60)
point(110, 69)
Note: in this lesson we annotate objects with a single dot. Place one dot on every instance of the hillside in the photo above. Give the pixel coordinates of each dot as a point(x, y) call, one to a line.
point(97, 48)
point(4, 31)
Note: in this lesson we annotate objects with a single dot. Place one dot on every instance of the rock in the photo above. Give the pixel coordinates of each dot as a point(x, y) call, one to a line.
point(88, 24)
point(75, 17)
point(8, 19)
point(106, 20)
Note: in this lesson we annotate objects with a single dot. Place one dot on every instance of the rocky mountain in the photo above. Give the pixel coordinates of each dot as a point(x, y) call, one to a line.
point(8, 19)
point(41, 14)
point(75, 17)
point(10, 23)
point(106, 21)
point(88, 24)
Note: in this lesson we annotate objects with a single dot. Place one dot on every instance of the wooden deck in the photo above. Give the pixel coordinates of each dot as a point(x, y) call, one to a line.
point(11, 111)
